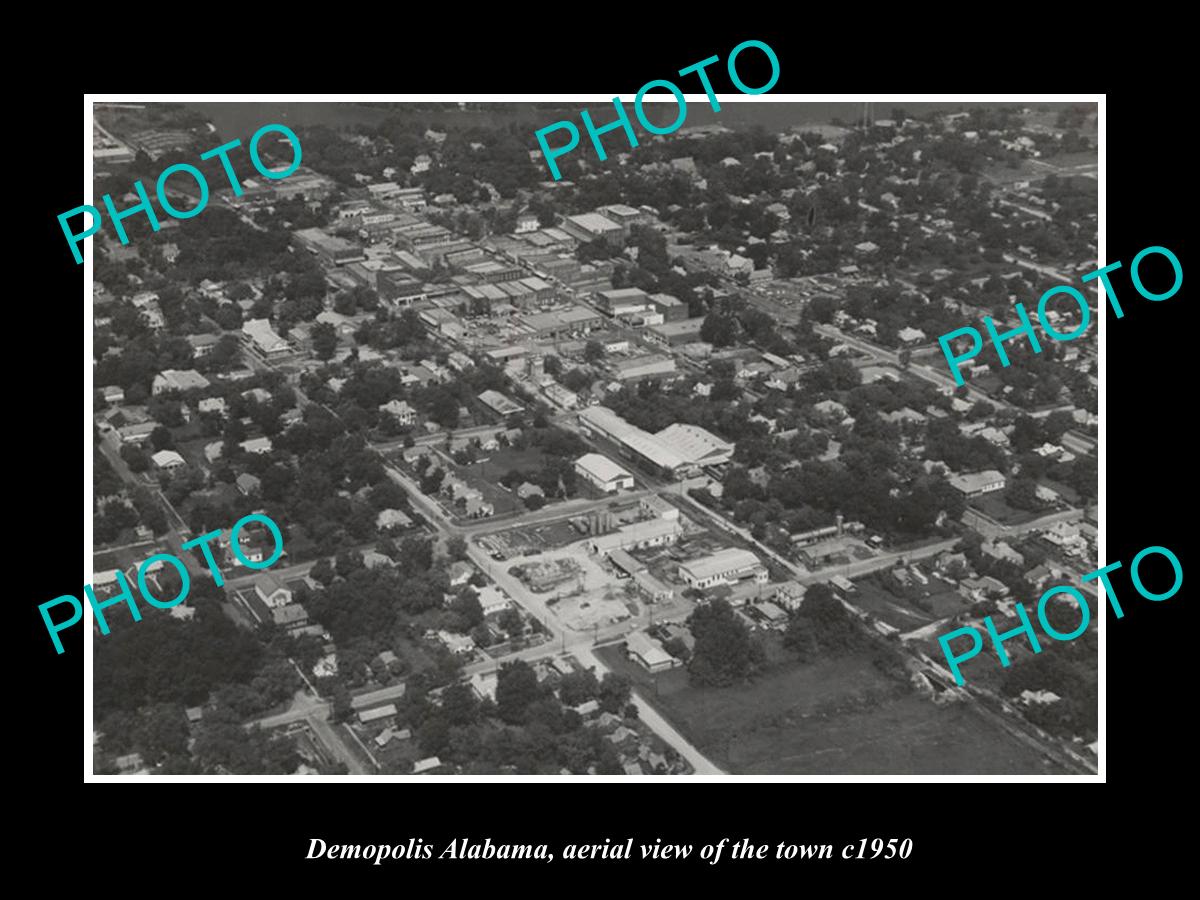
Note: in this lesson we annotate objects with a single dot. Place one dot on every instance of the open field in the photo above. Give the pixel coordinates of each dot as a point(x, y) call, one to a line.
point(994, 506)
point(839, 716)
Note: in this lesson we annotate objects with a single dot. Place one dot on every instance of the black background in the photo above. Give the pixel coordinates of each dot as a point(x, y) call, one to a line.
point(964, 834)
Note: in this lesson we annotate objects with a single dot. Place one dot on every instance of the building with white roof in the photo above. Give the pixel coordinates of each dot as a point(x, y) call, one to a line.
point(976, 483)
point(603, 473)
point(603, 421)
point(263, 339)
point(723, 567)
point(696, 445)
point(178, 380)
point(648, 652)
point(168, 459)
point(636, 536)
point(593, 226)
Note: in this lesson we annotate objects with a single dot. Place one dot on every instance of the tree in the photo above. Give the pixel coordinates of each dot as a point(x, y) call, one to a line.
point(576, 380)
point(614, 692)
point(516, 688)
point(593, 351)
point(456, 547)
point(552, 365)
point(725, 653)
point(160, 438)
point(163, 731)
point(467, 607)
point(322, 571)
point(821, 623)
point(578, 687)
point(719, 329)
point(510, 620)
point(459, 704)
point(324, 340)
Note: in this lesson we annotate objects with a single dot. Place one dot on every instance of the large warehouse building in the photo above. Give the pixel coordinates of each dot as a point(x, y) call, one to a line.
point(676, 450)
point(603, 473)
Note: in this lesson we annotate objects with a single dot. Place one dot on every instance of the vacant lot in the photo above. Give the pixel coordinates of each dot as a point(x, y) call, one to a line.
point(838, 716)
point(889, 608)
point(993, 505)
point(502, 461)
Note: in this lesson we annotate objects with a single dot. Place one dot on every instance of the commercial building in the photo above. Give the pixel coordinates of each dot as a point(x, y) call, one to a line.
point(500, 404)
point(622, 300)
point(542, 290)
point(332, 249)
point(409, 198)
point(978, 483)
point(562, 323)
point(422, 236)
point(442, 321)
point(399, 287)
point(564, 397)
point(384, 190)
point(727, 566)
point(654, 589)
point(592, 226)
point(491, 271)
point(696, 445)
point(367, 716)
point(603, 473)
point(654, 505)
point(603, 421)
point(674, 333)
point(625, 216)
point(672, 308)
point(637, 536)
point(644, 367)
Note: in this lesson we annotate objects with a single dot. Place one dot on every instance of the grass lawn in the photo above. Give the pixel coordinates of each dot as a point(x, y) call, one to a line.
point(501, 462)
point(839, 716)
point(993, 505)
point(889, 608)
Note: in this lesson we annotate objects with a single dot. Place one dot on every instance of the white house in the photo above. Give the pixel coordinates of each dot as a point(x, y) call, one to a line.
point(168, 460)
point(177, 380)
point(404, 413)
point(271, 591)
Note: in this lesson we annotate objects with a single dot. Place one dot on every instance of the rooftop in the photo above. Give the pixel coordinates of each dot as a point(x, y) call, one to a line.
point(728, 560)
point(601, 467)
point(594, 222)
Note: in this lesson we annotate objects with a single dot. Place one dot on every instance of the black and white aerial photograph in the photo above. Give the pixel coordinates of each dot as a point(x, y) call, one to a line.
point(472, 453)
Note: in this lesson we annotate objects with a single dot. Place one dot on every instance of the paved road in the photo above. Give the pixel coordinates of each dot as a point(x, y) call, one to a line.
point(333, 742)
point(660, 726)
point(172, 538)
point(579, 642)
point(1013, 723)
point(1037, 213)
point(563, 509)
point(933, 376)
point(439, 437)
point(1039, 267)
point(941, 379)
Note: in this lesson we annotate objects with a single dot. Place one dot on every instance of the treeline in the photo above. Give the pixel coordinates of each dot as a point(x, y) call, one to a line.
point(528, 730)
